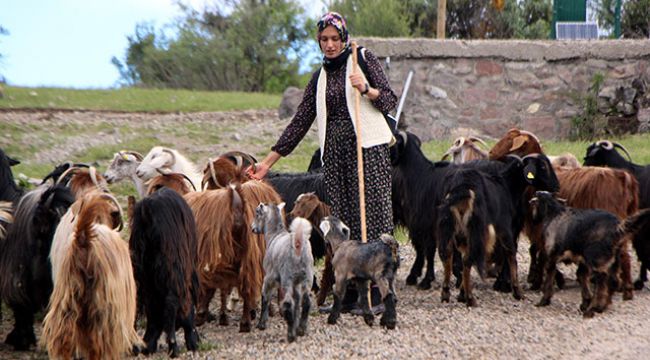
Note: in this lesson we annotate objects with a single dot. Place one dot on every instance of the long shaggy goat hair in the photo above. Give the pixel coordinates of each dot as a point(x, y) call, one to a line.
point(92, 308)
point(5, 218)
point(26, 281)
point(164, 253)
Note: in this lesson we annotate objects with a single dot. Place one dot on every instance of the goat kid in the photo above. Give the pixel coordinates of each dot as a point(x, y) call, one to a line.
point(288, 264)
point(590, 238)
point(361, 262)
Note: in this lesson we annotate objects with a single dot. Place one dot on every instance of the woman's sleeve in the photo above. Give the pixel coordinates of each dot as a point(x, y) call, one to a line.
point(387, 99)
point(301, 122)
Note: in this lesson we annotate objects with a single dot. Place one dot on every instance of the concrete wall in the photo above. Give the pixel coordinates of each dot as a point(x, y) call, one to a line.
point(490, 86)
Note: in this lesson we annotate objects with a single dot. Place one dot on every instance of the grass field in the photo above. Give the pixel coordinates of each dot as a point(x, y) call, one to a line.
point(135, 99)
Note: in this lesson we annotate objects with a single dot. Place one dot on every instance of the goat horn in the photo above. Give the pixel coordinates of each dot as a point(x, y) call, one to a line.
point(245, 156)
point(137, 155)
point(213, 173)
point(170, 152)
point(190, 181)
point(533, 155)
point(404, 136)
point(624, 150)
point(93, 176)
point(477, 139)
point(166, 172)
point(605, 144)
point(114, 200)
point(445, 155)
point(515, 157)
point(71, 169)
point(530, 134)
point(459, 141)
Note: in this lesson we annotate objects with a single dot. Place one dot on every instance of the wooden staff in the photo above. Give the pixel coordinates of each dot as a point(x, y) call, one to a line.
point(357, 121)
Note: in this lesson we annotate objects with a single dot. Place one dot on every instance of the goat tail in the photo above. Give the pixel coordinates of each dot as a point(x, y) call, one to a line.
point(301, 230)
point(635, 223)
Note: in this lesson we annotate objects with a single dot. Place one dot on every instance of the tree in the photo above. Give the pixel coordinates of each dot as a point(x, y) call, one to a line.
point(257, 46)
point(635, 18)
point(382, 18)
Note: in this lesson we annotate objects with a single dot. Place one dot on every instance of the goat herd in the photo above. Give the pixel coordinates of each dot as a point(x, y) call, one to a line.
point(193, 233)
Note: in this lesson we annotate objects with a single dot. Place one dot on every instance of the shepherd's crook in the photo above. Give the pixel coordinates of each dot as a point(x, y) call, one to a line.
point(357, 122)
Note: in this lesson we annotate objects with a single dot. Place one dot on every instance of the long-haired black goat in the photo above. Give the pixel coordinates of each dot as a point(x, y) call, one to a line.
point(26, 283)
point(164, 255)
point(590, 238)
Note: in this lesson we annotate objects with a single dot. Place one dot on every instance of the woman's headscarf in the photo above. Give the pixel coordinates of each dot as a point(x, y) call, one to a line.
point(335, 19)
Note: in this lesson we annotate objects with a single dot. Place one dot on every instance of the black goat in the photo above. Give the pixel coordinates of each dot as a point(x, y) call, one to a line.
point(416, 189)
point(490, 197)
point(164, 255)
point(9, 191)
point(603, 153)
point(290, 185)
point(591, 238)
point(61, 169)
point(26, 284)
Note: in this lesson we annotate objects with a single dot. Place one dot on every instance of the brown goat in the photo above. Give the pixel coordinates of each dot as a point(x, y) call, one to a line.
point(565, 161)
point(516, 142)
point(175, 181)
point(466, 149)
point(83, 180)
point(92, 308)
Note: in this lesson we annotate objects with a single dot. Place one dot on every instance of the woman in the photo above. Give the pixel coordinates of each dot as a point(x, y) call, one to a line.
point(329, 98)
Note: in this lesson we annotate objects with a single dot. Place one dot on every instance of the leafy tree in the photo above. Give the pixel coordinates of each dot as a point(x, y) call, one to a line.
point(382, 18)
point(257, 46)
point(635, 17)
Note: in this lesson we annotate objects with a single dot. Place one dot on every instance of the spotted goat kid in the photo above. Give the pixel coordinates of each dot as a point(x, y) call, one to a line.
point(590, 238)
point(361, 262)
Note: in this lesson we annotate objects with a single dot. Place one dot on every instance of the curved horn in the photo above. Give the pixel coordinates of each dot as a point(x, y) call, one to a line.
point(71, 169)
point(477, 139)
point(515, 157)
point(213, 173)
point(404, 136)
point(530, 134)
point(624, 150)
point(114, 200)
point(188, 180)
point(605, 144)
point(245, 156)
point(173, 155)
point(165, 172)
point(136, 154)
point(533, 155)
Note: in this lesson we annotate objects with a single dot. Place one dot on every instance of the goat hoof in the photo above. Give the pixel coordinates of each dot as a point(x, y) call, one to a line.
point(628, 294)
point(502, 286)
point(261, 326)
point(584, 305)
point(543, 302)
point(445, 297)
point(245, 327)
point(173, 351)
point(388, 323)
point(291, 338)
point(301, 331)
point(638, 285)
point(588, 314)
point(369, 319)
point(332, 319)
point(471, 302)
point(223, 320)
point(517, 295)
point(424, 285)
point(411, 280)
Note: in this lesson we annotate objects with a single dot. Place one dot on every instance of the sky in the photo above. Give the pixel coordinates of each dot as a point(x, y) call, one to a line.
point(70, 43)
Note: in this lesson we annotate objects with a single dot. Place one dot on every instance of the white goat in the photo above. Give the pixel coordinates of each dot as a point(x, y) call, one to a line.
point(123, 166)
point(161, 160)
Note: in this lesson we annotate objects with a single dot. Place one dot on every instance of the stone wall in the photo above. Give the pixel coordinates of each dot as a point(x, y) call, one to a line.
point(491, 86)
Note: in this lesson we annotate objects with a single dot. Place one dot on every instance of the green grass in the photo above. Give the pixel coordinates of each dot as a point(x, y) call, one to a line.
point(135, 99)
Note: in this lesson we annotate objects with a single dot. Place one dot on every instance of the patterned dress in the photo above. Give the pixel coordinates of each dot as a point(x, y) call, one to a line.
point(340, 153)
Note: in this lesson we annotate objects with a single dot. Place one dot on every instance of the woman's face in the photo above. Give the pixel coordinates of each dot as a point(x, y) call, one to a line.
point(330, 42)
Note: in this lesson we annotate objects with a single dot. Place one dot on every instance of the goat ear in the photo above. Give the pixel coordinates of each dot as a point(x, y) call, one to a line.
point(325, 227)
point(518, 142)
point(13, 162)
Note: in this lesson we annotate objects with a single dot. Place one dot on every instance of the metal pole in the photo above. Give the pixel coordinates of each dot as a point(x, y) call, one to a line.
point(617, 19)
point(402, 99)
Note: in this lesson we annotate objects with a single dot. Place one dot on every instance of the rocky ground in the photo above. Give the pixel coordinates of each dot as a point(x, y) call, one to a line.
point(500, 327)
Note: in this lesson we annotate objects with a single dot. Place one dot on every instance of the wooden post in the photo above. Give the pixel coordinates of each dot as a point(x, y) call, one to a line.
point(442, 19)
point(357, 121)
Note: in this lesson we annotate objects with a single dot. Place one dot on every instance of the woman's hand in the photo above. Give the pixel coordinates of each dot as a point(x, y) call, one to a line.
point(259, 172)
point(358, 82)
